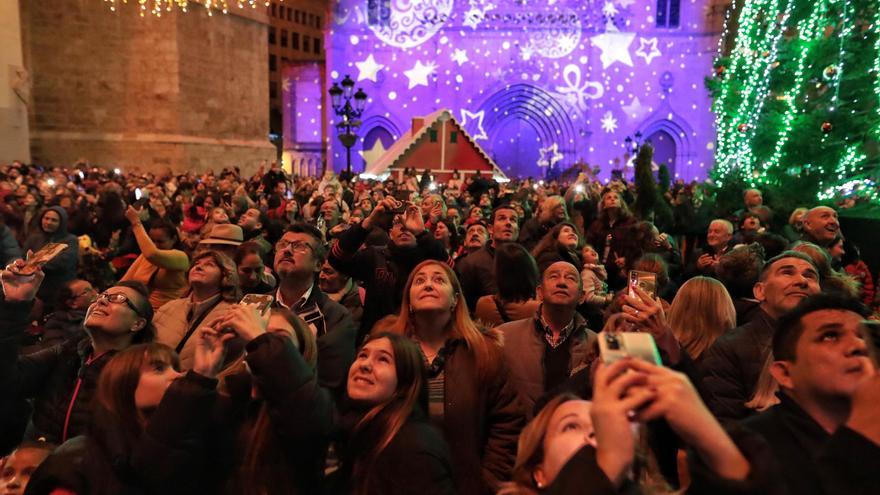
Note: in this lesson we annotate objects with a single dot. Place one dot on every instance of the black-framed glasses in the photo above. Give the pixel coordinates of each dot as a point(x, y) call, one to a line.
point(118, 298)
point(86, 292)
point(299, 247)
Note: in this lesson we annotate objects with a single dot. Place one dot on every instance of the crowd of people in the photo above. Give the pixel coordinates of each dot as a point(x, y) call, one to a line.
point(425, 336)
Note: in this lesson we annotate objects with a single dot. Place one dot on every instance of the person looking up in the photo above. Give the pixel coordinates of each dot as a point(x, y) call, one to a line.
point(820, 226)
point(53, 229)
point(477, 270)
point(515, 298)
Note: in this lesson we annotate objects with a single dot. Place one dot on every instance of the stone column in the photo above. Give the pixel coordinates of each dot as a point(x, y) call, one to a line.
point(14, 87)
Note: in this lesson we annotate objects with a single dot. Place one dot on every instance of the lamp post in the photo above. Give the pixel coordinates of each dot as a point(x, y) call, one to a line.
point(632, 145)
point(341, 99)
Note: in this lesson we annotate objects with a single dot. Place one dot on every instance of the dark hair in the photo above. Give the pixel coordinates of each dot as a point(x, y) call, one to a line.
point(653, 263)
point(550, 241)
point(247, 248)
point(773, 244)
point(145, 311)
point(114, 395)
point(379, 425)
point(313, 232)
point(166, 226)
point(851, 253)
point(517, 284)
point(504, 206)
point(739, 269)
point(480, 223)
point(789, 327)
point(65, 294)
point(785, 254)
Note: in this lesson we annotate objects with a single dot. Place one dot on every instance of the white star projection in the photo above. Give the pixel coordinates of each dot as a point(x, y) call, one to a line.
point(368, 69)
point(459, 56)
point(609, 123)
point(479, 116)
point(648, 49)
point(550, 156)
point(635, 110)
point(285, 85)
point(614, 46)
point(373, 154)
point(418, 75)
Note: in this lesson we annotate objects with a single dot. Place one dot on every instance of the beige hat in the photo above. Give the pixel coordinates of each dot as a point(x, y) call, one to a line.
point(224, 233)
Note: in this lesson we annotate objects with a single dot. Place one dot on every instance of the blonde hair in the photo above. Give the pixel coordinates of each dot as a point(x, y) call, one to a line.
point(486, 352)
point(765, 389)
point(530, 449)
point(701, 311)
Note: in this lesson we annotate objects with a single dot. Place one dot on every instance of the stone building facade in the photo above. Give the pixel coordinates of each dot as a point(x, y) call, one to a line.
point(185, 91)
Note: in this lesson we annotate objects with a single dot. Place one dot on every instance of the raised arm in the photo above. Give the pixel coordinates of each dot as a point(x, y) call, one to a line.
point(170, 259)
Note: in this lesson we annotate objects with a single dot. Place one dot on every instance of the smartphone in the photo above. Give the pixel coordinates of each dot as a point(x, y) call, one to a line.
point(614, 346)
point(138, 194)
point(646, 281)
point(261, 302)
point(44, 255)
point(871, 334)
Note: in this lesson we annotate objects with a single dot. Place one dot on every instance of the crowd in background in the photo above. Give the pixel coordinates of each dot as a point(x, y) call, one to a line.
point(426, 336)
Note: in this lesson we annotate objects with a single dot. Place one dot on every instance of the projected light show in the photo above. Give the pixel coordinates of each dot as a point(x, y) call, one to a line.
point(535, 83)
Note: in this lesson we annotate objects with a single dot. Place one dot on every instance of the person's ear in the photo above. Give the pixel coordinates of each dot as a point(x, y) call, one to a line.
point(539, 292)
point(781, 372)
point(139, 325)
point(758, 292)
point(539, 477)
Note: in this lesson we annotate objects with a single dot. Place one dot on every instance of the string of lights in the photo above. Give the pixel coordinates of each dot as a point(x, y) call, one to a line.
point(158, 7)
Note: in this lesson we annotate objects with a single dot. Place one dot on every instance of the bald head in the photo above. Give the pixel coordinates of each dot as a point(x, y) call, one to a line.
point(821, 225)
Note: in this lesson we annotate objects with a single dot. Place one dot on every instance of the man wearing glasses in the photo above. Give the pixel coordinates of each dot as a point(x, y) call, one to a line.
point(299, 255)
point(61, 380)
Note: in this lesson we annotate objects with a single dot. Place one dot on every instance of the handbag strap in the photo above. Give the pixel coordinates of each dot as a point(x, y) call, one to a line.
point(195, 325)
point(500, 307)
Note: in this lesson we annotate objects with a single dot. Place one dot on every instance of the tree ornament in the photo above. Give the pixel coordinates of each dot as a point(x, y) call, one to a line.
point(742, 127)
point(830, 72)
point(719, 71)
point(826, 127)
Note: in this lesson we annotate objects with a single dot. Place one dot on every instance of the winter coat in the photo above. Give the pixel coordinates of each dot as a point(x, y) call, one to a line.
point(62, 268)
point(172, 325)
point(524, 352)
point(61, 379)
point(300, 413)
point(9, 248)
point(809, 460)
point(167, 457)
point(336, 337)
point(382, 271)
point(489, 314)
point(63, 325)
point(476, 274)
point(416, 461)
point(731, 366)
point(482, 420)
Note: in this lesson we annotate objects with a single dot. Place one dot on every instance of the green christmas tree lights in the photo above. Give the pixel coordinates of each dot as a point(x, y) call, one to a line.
point(797, 99)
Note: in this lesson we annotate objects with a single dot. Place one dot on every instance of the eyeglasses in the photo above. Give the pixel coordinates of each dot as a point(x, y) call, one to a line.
point(298, 247)
point(118, 298)
point(86, 292)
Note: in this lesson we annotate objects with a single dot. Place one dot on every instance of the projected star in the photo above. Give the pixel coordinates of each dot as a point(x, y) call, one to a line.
point(615, 47)
point(626, 3)
point(459, 56)
point(418, 75)
point(372, 154)
point(609, 10)
point(635, 109)
point(285, 84)
point(609, 123)
point(648, 49)
point(479, 116)
point(368, 69)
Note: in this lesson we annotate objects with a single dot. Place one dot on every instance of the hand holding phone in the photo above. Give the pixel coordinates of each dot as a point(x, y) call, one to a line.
point(614, 346)
point(39, 259)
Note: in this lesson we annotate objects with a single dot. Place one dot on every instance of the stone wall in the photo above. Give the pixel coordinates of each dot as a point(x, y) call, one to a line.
point(13, 87)
point(185, 91)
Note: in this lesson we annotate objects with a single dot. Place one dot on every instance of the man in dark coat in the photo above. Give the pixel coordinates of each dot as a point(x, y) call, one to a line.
point(62, 379)
point(825, 432)
point(383, 271)
point(476, 271)
point(731, 367)
point(299, 255)
point(719, 240)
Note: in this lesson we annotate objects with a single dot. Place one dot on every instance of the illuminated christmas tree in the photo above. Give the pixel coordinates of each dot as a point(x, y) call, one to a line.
point(797, 99)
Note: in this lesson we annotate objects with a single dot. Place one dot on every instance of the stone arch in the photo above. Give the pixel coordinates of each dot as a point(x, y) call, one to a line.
point(543, 113)
point(680, 131)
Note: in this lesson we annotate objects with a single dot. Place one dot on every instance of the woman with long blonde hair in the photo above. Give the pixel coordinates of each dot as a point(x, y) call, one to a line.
point(479, 415)
point(701, 311)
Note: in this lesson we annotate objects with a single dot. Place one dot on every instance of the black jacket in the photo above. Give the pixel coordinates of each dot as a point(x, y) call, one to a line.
point(810, 461)
point(383, 271)
point(731, 367)
point(336, 337)
point(417, 461)
point(300, 413)
point(61, 379)
point(476, 274)
point(168, 457)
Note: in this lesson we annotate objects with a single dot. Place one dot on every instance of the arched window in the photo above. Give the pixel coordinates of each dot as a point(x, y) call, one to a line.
point(668, 13)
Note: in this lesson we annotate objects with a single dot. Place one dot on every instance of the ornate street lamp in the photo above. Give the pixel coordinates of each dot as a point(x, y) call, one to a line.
point(341, 98)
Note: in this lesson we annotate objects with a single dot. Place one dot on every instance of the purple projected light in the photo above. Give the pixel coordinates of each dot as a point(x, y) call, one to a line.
point(529, 80)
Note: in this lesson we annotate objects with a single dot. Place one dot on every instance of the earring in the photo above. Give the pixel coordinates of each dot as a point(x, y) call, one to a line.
point(540, 485)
